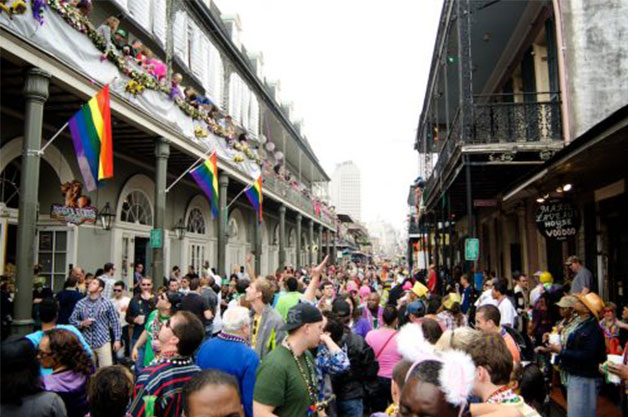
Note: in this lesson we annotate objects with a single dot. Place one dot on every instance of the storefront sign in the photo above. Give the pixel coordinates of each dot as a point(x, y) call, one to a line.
point(557, 219)
point(76, 208)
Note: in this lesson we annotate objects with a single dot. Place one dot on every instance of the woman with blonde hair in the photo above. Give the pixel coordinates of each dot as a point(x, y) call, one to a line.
point(458, 339)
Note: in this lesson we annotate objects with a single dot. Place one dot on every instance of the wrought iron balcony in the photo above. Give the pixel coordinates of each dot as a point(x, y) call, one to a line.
point(498, 121)
point(500, 124)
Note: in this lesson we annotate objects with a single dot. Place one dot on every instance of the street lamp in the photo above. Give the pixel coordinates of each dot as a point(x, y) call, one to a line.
point(179, 229)
point(106, 217)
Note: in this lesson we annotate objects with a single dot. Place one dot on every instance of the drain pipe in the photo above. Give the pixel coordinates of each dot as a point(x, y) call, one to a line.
point(560, 40)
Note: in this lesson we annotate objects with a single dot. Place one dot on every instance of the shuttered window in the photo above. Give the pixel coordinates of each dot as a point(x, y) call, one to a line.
point(180, 36)
point(234, 96)
point(254, 116)
point(140, 10)
point(159, 20)
point(215, 76)
point(245, 97)
point(196, 50)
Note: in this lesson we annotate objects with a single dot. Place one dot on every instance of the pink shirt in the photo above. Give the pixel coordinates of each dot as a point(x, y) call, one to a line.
point(388, 357)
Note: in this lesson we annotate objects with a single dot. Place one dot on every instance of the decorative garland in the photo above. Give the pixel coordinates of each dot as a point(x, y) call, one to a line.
point(140, 80)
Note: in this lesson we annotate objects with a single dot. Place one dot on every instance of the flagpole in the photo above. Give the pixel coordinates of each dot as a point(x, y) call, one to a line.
point(237, 196)
point(41, 151)
point(194, 165)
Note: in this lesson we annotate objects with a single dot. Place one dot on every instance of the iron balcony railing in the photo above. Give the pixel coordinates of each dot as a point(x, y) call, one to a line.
point(499, 119)
point(296, 198)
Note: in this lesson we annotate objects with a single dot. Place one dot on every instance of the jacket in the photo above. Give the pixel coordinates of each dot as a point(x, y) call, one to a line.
point(584, 351)
point(362, 373)
point(269, 333)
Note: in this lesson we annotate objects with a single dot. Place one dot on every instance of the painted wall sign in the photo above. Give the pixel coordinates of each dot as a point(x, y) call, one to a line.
point(76, 208)
point(558, 219)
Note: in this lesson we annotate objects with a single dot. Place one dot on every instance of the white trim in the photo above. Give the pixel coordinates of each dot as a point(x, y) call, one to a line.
point(146, 186)
point(13, 149)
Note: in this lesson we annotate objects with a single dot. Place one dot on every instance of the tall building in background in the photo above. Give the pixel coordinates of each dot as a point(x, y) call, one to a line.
point(346, 189)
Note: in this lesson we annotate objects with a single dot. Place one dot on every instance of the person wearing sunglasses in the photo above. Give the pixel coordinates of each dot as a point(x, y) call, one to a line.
point(140, 307)
point(161, 383)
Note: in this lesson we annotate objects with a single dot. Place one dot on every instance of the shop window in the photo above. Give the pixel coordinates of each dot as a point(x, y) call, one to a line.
point(10, 185)
point(52, 256)
point(137, 209)
point(196, 222)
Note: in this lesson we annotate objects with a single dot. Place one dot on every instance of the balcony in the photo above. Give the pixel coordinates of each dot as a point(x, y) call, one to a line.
point(507, 130)
point(296, 198)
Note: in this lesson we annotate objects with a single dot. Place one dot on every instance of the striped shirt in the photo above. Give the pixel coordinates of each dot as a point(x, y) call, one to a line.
point(165, 381)
point(105, 317)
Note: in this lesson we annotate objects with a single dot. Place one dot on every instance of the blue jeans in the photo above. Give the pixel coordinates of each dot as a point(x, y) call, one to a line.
point(350, 408)
point(139, 363)
point(582, 396)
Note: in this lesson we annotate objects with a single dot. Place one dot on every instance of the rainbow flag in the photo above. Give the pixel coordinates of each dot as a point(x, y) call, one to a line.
point(206, 176)
point(254, 193)
point(91, 133)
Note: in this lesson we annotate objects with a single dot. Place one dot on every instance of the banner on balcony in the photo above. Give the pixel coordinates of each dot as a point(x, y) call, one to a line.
point(558, 219)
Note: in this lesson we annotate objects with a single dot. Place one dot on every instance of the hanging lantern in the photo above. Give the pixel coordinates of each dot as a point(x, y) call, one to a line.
point(270, 146)
point(278, 155)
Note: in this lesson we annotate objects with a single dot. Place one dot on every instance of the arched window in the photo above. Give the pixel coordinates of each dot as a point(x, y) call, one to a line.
point(136, 209)
point(10, 185)
point(196, 222)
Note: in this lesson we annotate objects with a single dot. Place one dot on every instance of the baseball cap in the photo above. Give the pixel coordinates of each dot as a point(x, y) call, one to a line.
point(567, 301)
point(416, 308)
point(341, 307)
point(300, 314)
point(572, 260)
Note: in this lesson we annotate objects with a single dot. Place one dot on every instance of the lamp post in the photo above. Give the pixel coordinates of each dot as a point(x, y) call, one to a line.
point(106, 217)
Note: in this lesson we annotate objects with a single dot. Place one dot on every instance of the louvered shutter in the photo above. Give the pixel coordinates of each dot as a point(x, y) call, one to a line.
point(196, 57)
point(254, 116)
point(205, 63)
point(245, 99)
point(180, 36)
point(159, 20)
point(140, 10)
point(218, 74)
point(233, 95)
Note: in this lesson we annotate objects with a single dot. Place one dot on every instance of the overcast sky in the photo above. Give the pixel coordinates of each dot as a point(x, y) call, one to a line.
point(356, 71)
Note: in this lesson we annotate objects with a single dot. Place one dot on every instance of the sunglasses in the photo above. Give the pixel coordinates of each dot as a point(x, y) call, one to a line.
point(117, 290)
point(147, 285)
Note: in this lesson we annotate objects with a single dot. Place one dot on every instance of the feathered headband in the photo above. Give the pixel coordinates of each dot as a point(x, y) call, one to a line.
point(457, 373)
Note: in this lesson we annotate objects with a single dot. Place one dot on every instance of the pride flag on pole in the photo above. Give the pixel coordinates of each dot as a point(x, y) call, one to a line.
point(91, 133)
point(254, 193)
point(206, 176)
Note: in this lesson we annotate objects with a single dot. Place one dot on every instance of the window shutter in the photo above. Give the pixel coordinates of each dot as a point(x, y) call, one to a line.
point(215, 73)
point(205, 62)
point(196, 57)
point(159, 20)
point(140, 10)
point(245, 98)
point(254, 116)
point(180, 36)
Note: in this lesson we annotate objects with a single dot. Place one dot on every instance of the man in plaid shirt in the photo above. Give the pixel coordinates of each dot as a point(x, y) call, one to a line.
point(94, 315)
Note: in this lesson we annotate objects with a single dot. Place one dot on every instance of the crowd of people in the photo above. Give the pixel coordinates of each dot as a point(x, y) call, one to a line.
point(344, 340)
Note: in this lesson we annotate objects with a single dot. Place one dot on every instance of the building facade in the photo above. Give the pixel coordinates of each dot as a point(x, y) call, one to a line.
point(515, 89)
point(53, 62)
point(346, 186)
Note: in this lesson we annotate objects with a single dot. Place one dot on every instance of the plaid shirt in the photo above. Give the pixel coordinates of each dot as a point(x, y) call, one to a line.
point(105, 317)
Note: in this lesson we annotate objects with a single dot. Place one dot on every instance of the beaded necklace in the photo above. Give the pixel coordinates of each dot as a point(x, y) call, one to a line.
point(503, 395)
point(309, 380)
point(232, 338)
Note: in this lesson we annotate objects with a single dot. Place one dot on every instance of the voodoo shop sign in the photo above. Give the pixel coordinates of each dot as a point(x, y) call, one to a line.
point(557, 219)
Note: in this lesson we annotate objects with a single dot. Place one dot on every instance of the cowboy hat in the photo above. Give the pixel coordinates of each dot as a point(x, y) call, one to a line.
point(591, 301)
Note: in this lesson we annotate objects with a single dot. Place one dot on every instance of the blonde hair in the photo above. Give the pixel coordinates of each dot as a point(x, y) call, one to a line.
point(458, 339)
